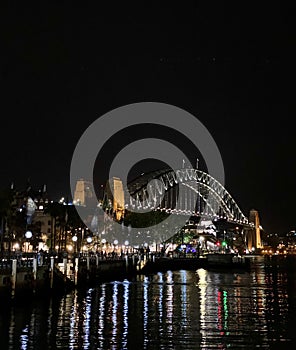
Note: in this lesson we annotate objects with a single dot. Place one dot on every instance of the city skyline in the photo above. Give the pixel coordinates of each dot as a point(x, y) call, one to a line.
point(230, 67)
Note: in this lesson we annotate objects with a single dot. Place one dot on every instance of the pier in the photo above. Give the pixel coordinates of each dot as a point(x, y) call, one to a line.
point(32, 275)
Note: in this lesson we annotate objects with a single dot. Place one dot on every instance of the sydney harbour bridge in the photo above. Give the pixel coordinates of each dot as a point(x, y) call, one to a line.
point(184, 193)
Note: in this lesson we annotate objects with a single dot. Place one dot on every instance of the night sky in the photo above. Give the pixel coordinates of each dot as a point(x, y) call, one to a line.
point(232, 66)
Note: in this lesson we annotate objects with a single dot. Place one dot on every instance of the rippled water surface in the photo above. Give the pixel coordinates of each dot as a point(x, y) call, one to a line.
point(170, 310)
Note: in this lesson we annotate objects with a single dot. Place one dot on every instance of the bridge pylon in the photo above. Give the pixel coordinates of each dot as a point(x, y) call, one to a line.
point(253, 237)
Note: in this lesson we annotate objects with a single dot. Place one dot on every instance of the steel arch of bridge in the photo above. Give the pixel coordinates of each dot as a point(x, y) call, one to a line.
point(148, 192)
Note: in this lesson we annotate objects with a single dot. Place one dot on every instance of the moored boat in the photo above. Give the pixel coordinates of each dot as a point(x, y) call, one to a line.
point(229, 261)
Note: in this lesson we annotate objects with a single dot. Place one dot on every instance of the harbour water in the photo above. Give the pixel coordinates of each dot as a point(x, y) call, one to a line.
point(180, 309)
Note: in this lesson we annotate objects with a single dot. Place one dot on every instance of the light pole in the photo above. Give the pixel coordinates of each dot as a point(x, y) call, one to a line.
point(126, 243)
point(28, 236)
point(75, 260)
point(74, 239)
point(100, 244)
point(88, 241)
point(115, 242)
point(80, 234)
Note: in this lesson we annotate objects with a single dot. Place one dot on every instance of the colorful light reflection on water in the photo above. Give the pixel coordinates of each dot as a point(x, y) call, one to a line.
point(168, 310)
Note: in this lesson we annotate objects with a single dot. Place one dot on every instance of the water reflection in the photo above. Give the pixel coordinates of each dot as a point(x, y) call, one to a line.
point(172, 310)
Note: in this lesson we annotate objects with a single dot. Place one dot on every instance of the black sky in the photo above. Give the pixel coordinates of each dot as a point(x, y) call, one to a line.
point(232, 66)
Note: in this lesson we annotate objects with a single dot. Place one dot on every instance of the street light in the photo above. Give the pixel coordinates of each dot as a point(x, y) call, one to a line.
point(74, 239)
point(28, 236)
point(102, 243)
point(115, 242)
point(126, 243)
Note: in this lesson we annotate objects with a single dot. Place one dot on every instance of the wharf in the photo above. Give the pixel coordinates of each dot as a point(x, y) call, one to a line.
point(55, 275)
